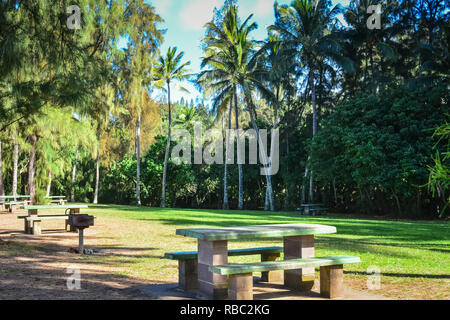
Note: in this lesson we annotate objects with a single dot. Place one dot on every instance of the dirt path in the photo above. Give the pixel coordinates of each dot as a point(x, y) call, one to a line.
point(37, 267)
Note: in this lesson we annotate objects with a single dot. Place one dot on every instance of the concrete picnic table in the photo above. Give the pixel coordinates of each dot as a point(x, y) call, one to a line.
point(57, 199)
point(32, 220)
point(73, 208)
point(298, 242)
point(15, 201)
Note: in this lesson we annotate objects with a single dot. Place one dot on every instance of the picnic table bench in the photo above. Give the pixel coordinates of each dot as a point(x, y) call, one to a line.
point(11, 202)
point(216, 279)
point(57, 199)
point(32, 221)
point(188, 266)
point(240, 281)
point(311, 209)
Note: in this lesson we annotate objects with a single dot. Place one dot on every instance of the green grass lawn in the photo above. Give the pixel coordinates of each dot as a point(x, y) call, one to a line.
point(413, 256)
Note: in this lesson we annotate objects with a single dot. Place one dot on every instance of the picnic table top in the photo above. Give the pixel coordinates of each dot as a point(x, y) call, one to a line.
point(70, 206)
point(259, 231)
point(13, 197)
point(311, 205)
point(55, 197)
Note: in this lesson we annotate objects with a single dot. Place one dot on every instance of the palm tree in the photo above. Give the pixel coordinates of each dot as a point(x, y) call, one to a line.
point(168, 69)
point(303, 26)
point(236, 65)
point(220, 82)
point(280, 62)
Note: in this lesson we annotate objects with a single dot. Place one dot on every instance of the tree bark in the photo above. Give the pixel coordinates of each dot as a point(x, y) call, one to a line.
point(74, 173)
point(15, 165)
point(32, 168)
point(239, 156)
point(49, 184)
point(263, 154)
point(166, 157)
point(2, 186)
point(226, 205)
point(314, 106)
point(138, 158)
point(97, 177)
point(272, 145)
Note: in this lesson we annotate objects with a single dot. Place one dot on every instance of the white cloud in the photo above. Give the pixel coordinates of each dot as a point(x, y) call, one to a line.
point(197, 13)
point(263, 8)
point(162, 6)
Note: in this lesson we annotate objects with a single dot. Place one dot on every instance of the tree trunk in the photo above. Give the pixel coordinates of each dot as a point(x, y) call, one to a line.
point(166, 157)
point(15, 165)
point(313, 100)
point(287, 185)
point(49, 184)
point(74, 173)
point(263, 155)
point(226, 205)
point(272, 145)
point(138, 159)
point(239, 156)
point(2, 186)
point(97, 177)
point(32, 168)
point(304, 181)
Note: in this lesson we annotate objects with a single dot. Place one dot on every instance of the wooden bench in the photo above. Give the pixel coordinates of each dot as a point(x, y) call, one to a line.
point(188, 266)
point(240, 276)
point(32, 224)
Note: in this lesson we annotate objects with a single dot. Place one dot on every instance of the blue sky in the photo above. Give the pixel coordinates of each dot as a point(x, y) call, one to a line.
point(184, 21)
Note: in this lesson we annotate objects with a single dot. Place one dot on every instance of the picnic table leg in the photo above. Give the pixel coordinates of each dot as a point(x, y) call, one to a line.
point(298, 247)
point(240, 287)
point(36, 228)
point(188, 274)
point(211, 253)
point(271, 276)
point(26, 226)
point(332, 281)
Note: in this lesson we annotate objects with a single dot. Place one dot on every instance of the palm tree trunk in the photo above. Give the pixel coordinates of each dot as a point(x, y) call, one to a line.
point(272, 145)
point(166, 157)
point(304, 181)
point(138, 158)
point(49, 184)
point(15, 165)
point(314, 106)
point(239, 156)
point(32, 168)
point(2, 186)
point(74, 173)
point(97, 177)
point(263, 156)
point(226, 205)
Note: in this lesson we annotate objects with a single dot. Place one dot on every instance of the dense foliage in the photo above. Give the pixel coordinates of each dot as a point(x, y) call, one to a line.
point(362, 113)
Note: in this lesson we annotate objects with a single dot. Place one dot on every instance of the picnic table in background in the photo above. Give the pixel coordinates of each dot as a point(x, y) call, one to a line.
point(312, 209)
point(11, 202)
point(33, 220)
point(57, 199)
point(298, 243)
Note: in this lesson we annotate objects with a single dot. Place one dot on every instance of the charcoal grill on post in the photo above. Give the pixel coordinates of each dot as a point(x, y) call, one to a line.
point(81, 221)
